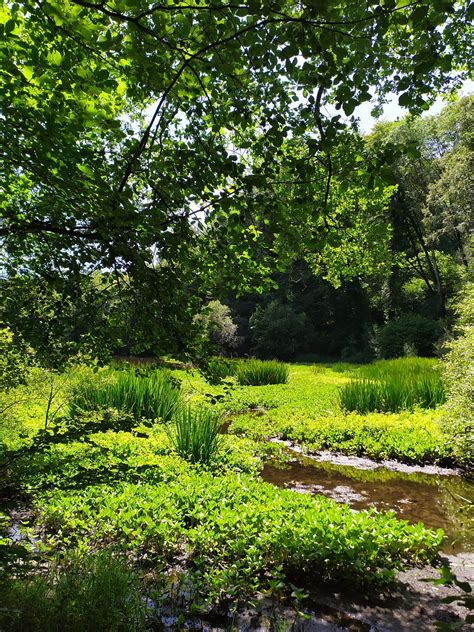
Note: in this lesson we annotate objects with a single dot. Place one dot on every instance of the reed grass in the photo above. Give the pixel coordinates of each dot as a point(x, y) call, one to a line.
point(195, 434)
point(261, 372)
point(394, 385)
point(151, 397)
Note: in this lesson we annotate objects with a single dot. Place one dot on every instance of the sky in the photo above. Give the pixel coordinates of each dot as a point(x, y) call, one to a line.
point(392, 111)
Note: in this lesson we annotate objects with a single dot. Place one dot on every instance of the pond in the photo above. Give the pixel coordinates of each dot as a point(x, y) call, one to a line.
point(437, 500)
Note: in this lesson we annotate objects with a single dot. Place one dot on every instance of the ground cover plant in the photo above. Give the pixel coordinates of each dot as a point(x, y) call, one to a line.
point(237, 531)
point(157, 495)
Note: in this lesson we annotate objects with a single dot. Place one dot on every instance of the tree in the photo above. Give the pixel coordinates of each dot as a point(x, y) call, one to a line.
point(194, 136)
point(220, 331)
point(431, 211)
point(278, 331)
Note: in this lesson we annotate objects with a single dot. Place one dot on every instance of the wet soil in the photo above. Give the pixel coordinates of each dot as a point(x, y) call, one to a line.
point(413, 605)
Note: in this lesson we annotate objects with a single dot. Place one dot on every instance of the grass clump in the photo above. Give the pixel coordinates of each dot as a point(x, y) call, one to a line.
point(392, 386)
point(151, 397)
point(79, 595)
point(261, 372)
point(195, 434)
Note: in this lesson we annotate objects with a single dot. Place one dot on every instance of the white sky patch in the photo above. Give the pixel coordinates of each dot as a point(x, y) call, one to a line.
point(393, 112)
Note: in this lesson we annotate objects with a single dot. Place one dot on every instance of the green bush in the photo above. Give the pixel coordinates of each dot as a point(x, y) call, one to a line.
point(459, 375)
point(78, 595)
point(218, 369)
point(152, 397)
point(261, 372)
point(195, 434)
point(409, 330)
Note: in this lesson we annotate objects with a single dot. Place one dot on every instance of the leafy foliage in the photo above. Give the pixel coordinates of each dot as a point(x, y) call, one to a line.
point(459, 375)
point(177, 196)
point(261, 372)
point(409, 330)
point(216, 370)
point(15, 360)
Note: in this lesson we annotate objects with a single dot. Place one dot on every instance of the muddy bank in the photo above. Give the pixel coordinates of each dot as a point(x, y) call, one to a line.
point(413, 605)
point(364, 463)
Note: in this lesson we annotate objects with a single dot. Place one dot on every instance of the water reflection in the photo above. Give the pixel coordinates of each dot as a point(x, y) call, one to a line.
point(437, 501)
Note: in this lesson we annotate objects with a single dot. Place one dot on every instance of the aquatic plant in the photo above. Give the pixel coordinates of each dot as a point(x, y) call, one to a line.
point(261, 372)
point(394, 385)
point(239, 532)
point(151, 397)
point(195, 434)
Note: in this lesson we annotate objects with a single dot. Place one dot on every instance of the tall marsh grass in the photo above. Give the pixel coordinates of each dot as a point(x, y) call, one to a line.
point(394, 385)
point(195, 434)
point(80, 595)
point(151, 397)
point(261, 372)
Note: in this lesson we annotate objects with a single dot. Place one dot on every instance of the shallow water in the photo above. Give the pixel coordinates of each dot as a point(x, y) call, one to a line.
point(435, 500)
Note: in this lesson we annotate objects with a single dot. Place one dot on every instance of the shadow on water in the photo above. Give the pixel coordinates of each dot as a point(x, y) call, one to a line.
point(437, 501)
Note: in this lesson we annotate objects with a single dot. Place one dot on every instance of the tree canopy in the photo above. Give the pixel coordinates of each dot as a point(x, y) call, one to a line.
point(173, 141)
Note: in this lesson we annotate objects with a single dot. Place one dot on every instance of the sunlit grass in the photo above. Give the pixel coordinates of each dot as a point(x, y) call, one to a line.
point(151, 397)
point(261, 372)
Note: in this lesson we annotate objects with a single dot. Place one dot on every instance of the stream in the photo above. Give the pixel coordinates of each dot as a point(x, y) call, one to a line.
point(437, 499)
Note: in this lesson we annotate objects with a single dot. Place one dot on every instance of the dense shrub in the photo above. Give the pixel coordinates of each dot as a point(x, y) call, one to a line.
point(278, 331)
point(216, 370)
point(409, 331)
point(152, 397)
point(261, 372)
point(459, 375)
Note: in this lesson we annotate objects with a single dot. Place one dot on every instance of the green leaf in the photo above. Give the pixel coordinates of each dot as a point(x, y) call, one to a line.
point(55, 57)
point(86, 170)
point(405, 99)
